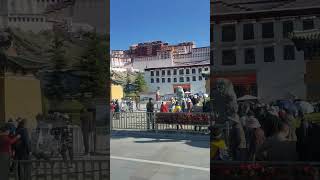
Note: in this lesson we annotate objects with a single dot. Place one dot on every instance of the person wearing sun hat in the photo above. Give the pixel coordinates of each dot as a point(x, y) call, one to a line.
point(218, 146)
point(254, 135)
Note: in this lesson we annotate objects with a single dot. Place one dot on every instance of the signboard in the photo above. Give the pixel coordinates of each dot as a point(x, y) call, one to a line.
point(246, 79)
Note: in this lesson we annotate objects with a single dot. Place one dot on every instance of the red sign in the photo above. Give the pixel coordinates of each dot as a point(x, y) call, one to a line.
point(239, 80)
point(184, 86)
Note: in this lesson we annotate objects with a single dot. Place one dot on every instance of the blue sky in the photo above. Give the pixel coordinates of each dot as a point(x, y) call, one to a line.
point(172, 21)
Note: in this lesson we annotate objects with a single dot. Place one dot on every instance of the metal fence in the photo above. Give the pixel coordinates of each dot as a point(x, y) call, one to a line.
point(43, 140)
point(62, 170)
point(148, 121)
point(223, 170)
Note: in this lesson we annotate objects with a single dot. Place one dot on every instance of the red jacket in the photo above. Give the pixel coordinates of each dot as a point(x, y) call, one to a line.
point(6, 142)
point(164, 108)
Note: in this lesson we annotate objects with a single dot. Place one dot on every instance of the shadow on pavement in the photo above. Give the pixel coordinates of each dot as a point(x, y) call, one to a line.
point(195, 140)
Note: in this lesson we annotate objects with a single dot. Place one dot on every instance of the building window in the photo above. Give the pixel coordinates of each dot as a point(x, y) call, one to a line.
point(287, 27)
point(14, 19)
point(200, 78)
point(152, 80)
point(157, 73)
point(174, 72)
point(288, 52)
point(187, 71)
point(181, 79)
point(168, 72)
point(169, 80)
point(158, 80)
point(267, 30)
point(23, 19)
point(194, 78)
point(249, 56)
point(308, 24)
point(206, 69)
point(193, 71)
point(199, 70)
point(174, 79)
point(188, 79)
point(181, 71)
point(248, 31)
point(152, 73)
point(163, 72)
point(269, 54)
point(229, 57)
point(228, 33)
point(163, 80)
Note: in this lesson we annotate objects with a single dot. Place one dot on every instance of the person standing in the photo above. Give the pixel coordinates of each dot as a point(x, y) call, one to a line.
point(254, 135)
point(117, 109)
point(237, 139)
point(150, 111)
point(6, 143)
point(164, 108)
point(23, 150)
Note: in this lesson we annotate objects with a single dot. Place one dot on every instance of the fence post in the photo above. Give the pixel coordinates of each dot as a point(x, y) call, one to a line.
point(148, 120)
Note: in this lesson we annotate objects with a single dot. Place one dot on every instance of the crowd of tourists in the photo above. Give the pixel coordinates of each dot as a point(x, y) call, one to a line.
point(280, 131)
point(191, 103)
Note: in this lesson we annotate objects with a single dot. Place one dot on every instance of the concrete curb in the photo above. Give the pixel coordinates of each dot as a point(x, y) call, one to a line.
point(160, 134)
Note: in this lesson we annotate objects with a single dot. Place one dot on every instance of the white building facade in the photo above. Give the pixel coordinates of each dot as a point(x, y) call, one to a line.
point(167, 79)
point(260, 48)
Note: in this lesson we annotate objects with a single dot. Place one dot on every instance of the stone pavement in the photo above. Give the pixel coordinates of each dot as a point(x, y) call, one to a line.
point(151, 156)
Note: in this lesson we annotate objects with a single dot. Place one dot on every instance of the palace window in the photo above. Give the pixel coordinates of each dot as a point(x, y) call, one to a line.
point(289, 52)
point(200, 78)
point(157, 73)
point(269, 54)
point(187, 71)
point(163, 80)
point(287, 27)
point(308, 24)
point(174, 79)
point(152, 73)
point(174, 72)
point(181, 71)
point(181, 79)
point(249, 56)
point(188, 79)
point(194, 78)
point(163, 72)
point(152, 80)
point(229, 57)
point(228, 33)
point(158, 80)
point(169, 80)
point(193, 71)
point(248, 31)
point(168, 72)
point(267, 30)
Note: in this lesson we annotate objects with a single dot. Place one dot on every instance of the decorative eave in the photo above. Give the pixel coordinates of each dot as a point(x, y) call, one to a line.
point(307, 41)
point(264, 14)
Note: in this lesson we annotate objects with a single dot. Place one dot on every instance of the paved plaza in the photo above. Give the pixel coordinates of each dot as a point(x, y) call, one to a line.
point(150, 156)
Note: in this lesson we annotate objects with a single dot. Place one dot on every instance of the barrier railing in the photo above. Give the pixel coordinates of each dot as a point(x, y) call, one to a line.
point(235, 170)
point(61, 170)
point(175, 122)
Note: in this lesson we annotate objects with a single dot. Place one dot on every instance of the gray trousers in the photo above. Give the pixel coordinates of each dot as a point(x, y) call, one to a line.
point(4, 166)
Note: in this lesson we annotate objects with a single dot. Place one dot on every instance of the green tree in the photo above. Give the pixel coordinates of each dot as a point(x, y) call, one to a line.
point(95, 67)
point(140, 83)
point(55, 89)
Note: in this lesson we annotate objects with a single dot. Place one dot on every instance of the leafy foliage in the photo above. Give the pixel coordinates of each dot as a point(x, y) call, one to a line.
point(56, 90)
point(95, 66)
point(140, 83)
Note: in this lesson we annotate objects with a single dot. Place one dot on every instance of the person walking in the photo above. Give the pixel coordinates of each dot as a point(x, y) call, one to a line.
point(150, 111)
point(6, 143)
point(23, 151)
point(117, 109)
